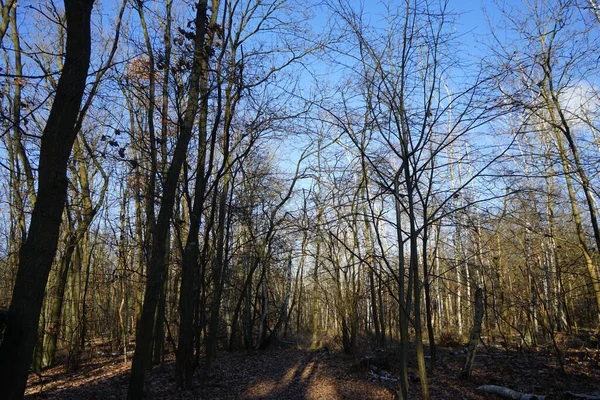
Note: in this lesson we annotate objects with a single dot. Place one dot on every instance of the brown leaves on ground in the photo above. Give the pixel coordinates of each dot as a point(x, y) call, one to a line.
point(295, 373)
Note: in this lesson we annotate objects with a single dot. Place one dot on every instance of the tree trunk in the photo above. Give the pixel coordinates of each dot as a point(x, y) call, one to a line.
point(218, 268)
point(403, 308)
point(156, 266)
point(315, 296)
point(467, 369)
point(428, 305)
point(57, 299)
point(159, 322)
point(38, 251)
point(189, 262)
point(6, 8)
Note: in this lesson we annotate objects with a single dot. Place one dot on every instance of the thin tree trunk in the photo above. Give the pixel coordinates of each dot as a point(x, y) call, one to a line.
point(262, 324)
point(315, 297)
point(467, 369)
point(315, 272)
point(57, 299)
point(220, 262)
point(428, 306)
point(159, 322)
point(404, 310)
point(218, 268)
point(244, 297)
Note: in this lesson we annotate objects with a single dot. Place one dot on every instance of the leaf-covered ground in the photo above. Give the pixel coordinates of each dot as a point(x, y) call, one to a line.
point(291, 372)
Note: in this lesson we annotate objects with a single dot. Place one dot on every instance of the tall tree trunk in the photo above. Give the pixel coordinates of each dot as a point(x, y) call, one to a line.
point(38, 251)
point(159, 328)
point(150, 189)
point(191, 253)
point(155, 279)
point(315, 274)
point(233, 93)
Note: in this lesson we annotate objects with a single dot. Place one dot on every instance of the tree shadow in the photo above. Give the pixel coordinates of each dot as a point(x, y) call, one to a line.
point(525, 371)
point(293, 373)
point(291, 381)
point(316, 375)
point(98, 380)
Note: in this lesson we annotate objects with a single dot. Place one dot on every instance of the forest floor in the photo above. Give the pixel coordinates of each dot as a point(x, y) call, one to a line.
point(287, 371)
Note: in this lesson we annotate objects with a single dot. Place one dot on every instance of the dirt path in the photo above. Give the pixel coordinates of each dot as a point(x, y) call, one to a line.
point(274, 374)
point(297, 374)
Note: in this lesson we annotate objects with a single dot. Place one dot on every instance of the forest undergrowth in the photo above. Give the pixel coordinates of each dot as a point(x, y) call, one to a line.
point(289, 370)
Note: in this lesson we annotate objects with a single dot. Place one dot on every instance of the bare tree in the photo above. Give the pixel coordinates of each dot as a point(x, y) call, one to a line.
point(409, 109)
point(541, 72)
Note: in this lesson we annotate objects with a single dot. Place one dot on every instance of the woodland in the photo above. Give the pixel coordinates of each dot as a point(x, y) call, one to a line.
point(272, 199)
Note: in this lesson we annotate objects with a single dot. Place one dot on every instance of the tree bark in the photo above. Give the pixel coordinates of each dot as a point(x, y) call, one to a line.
point(38, 251)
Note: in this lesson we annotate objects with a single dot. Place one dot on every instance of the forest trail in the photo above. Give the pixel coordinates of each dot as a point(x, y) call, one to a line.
point(297, 373)
point(281, 373)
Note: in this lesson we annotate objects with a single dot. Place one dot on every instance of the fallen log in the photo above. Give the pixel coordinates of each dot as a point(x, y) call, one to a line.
point(509, 393)
point(572, 395)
